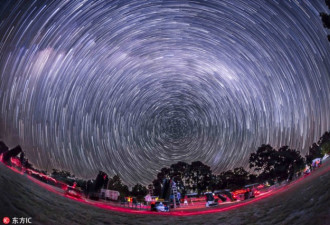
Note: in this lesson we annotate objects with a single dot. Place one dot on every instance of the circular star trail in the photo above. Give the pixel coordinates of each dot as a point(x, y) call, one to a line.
point(129, 87)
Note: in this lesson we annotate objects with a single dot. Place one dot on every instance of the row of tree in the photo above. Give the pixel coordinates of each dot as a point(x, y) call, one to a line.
point(198, 177)
point(266, 164)
point(102, 180)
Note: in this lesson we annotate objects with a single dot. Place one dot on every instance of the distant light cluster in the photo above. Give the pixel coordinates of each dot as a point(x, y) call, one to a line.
point(129, 87)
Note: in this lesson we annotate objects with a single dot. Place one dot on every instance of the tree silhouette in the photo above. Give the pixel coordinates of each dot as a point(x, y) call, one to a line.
point(116, 184)
point(157, 187)
point(200, 176)
point(194, 177)
point(326, 17)
point(289, 161)
point(241, 177)
point(272, 164)
point(324, 143)
point(3, 147)
point(314, 152)
point(158, 183)
point(61, 173)
point(139, 191)
point(101, 181)
point(233, 179)
point(263, 161)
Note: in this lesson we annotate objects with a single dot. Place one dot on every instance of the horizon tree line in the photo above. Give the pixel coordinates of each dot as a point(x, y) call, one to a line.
point(268, 165)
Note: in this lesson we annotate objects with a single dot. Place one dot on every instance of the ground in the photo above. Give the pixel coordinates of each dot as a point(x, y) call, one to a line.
point(305, 202)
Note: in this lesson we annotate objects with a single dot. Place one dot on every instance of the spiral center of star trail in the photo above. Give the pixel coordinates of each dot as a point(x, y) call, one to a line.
point(129, 87)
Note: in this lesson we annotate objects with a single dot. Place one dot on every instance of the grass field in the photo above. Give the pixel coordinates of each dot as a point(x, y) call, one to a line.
point(305, 202)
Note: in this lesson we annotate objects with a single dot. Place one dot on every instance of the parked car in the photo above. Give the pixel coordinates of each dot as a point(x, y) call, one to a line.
point(73, 192)
point(243, 194)
point(160, 206)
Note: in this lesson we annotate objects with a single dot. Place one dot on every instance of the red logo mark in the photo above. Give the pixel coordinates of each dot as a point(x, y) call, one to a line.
point(6, 220)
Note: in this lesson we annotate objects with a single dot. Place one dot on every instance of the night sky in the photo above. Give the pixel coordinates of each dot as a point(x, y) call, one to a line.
point(129, 87)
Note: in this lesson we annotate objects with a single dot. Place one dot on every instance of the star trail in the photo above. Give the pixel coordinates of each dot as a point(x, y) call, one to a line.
point(129, 87)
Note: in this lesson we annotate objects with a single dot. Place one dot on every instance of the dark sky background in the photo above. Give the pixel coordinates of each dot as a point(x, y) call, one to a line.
point(129, 87)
